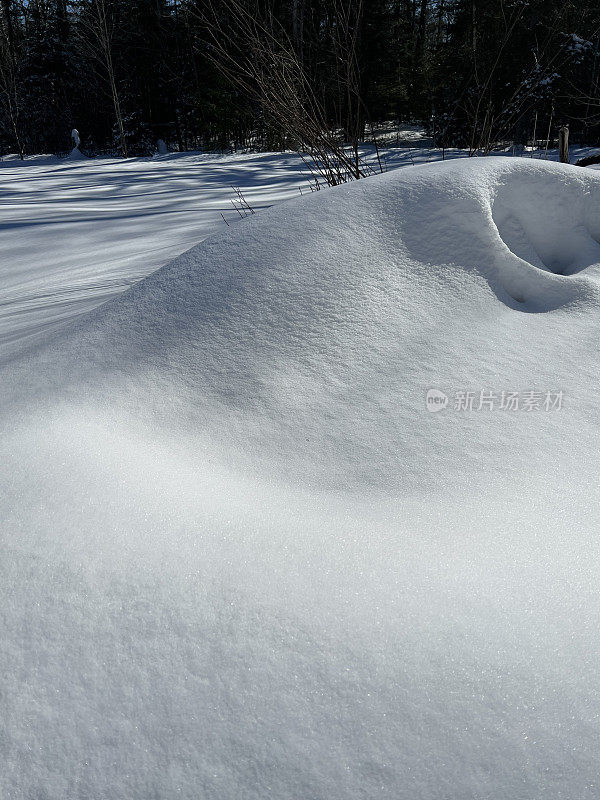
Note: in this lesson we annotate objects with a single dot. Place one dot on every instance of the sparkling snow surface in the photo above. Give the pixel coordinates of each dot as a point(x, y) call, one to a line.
point(240, 558)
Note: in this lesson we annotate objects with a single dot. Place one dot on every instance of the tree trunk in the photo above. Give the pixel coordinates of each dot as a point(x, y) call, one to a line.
point(298, 28)
point(563, 144)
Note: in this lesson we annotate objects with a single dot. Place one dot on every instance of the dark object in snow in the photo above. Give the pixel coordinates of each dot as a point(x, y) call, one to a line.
point(588, 161)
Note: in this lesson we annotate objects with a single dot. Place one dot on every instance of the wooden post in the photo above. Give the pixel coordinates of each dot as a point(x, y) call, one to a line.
point(563, 144)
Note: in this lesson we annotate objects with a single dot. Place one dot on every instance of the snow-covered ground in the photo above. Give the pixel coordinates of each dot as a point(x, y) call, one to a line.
point(75, 232)
point(242, 555)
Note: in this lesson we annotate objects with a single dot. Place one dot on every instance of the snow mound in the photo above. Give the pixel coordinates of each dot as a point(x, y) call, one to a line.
point(245, 560)
point(76, 155)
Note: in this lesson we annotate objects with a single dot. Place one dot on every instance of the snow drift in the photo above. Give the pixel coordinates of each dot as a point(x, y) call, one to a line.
point(242, 559)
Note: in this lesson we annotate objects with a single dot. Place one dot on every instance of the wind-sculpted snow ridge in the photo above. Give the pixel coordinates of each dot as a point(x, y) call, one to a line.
point(244, 559)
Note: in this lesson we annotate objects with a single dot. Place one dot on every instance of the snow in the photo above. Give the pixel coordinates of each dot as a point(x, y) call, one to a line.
point(77, 231)
point(242, 559)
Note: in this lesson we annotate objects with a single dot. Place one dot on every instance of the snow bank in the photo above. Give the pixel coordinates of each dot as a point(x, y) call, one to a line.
point(242, 557)
point(75, 232)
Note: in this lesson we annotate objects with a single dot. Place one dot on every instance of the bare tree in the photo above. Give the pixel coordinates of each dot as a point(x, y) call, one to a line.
point(492, 122)
point(96, 25)
point(8, 78)
point(347, 20)
point(255, 54)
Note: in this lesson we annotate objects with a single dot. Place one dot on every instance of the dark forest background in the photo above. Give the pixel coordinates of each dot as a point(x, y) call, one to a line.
point(268, 73)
